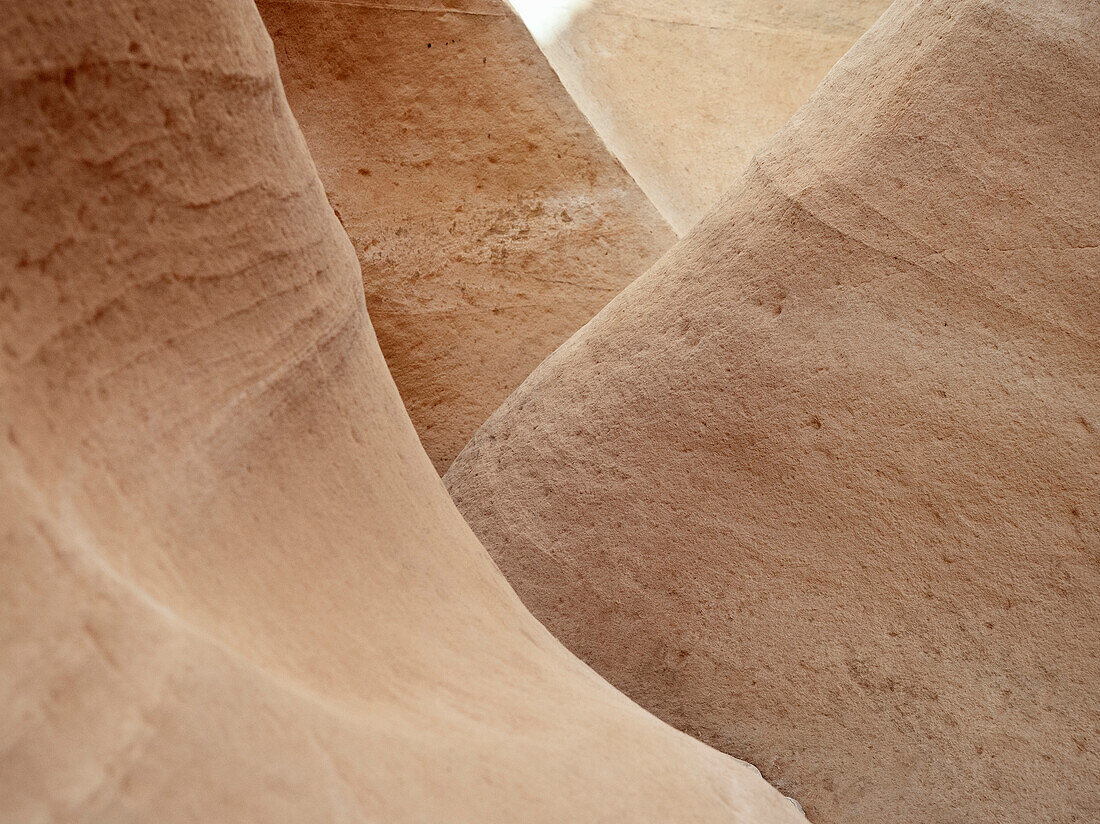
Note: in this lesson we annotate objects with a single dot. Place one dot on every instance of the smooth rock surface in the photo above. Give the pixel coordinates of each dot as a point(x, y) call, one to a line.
point(685, 91)
point(232, 586)
point(488, 217)
point(823, 486)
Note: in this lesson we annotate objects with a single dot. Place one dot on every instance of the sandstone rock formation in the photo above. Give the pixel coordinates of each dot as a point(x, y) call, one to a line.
point(233, 589)
point(685, 93)
point(488, 217)
point(823, 487)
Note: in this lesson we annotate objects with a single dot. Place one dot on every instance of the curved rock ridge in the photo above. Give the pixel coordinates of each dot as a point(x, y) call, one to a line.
point(488, 217)
point(233, 587)
point(822, 488)
point(685, 92)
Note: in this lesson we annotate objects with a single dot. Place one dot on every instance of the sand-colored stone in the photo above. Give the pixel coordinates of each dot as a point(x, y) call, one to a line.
point(823, 487)
point(488, 217)
point(232, 587)
point(685, 92)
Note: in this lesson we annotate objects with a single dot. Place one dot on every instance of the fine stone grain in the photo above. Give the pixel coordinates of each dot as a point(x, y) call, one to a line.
point(232, 587)
point(822, 488)
point(489, 219)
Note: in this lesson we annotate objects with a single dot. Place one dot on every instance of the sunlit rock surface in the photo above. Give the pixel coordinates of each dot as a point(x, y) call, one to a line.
point(685, 92)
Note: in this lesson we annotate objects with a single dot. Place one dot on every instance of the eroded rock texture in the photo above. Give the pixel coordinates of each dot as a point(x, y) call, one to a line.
point(822, 486)
point(232, 586)
point(685, 93)
point(489, 219)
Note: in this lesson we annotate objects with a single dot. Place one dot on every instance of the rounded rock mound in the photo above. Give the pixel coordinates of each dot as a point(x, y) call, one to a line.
point(233, 587)
point(822, 488)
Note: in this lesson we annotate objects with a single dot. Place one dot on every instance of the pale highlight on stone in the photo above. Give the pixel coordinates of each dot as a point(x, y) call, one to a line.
point(685, 92)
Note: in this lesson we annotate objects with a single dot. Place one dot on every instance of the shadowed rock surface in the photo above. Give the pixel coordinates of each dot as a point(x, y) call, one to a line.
point(233, 589)
point(821, 488)
point(488, 217)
